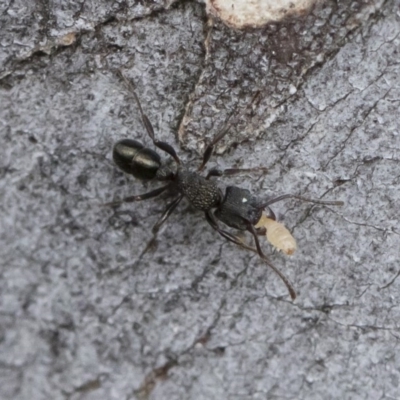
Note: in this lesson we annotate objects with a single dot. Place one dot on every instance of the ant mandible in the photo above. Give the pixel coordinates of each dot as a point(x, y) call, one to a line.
point(238, 208)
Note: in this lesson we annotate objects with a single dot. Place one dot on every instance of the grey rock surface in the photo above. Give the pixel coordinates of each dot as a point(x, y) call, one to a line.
point(314, 99)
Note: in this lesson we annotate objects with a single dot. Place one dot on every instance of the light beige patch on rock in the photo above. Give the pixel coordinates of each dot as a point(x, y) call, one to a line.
point(255, 13)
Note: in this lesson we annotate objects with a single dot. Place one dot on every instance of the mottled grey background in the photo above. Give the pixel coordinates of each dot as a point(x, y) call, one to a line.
point(315, 100)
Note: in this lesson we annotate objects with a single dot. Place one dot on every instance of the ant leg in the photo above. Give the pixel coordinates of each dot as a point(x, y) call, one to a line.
point(293, 196)
point(168, 211)
point(140, 197)
point(234, 239)
point(227, 235)
point(220, 135)
point(146, 122)
point(233, 171)
point(289, 286)
point(165, 215)
point(209, 149)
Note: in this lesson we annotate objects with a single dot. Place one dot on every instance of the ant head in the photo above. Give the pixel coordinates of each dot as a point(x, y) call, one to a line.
point(239, 208)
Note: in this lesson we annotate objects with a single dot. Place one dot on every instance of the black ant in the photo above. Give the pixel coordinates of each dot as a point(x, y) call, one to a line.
point(238, 208)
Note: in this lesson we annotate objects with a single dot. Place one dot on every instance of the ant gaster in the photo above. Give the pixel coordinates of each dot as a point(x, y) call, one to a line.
point(238, 208)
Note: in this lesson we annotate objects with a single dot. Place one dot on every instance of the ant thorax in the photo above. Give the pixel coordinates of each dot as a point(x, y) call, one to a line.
point(203, 194)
